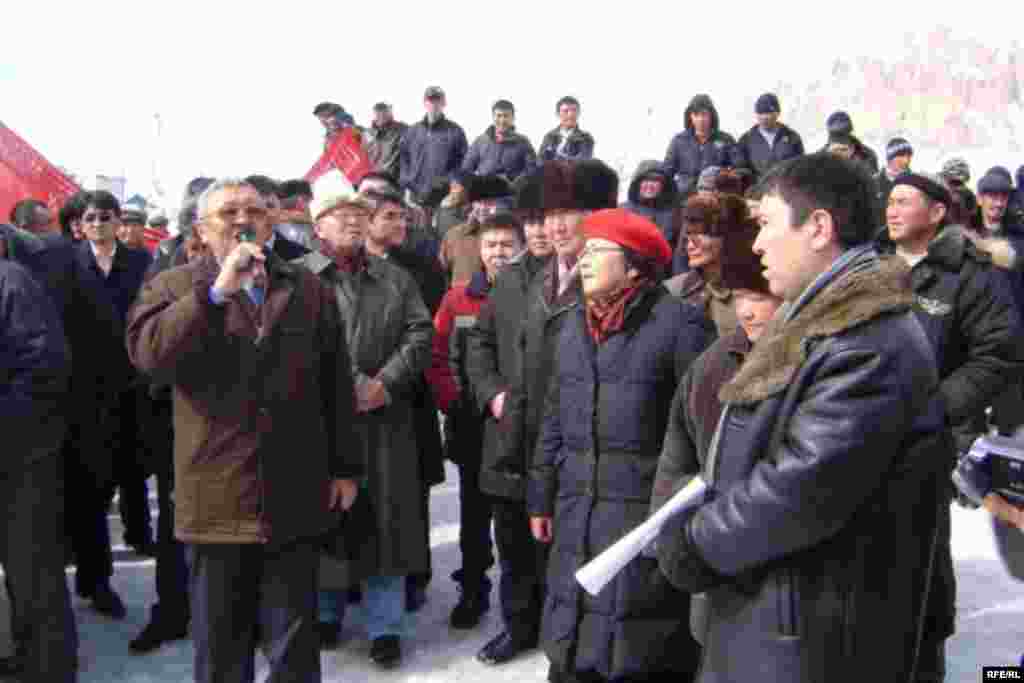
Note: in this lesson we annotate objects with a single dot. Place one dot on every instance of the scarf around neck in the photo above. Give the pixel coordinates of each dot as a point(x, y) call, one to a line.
point(606, 316)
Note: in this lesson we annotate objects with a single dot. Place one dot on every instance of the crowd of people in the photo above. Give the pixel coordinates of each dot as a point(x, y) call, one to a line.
point(816, 337)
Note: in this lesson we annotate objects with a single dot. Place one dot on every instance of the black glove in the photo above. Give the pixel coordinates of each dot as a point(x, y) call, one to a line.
point(973, 476)
point(680, 560)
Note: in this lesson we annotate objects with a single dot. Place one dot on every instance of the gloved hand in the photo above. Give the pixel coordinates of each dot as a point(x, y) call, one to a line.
point(680, 560)
point(973, 475)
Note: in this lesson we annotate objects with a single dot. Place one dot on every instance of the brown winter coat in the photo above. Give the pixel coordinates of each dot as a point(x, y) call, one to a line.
point(389, 334)
point(716, 302)
point(263, 401)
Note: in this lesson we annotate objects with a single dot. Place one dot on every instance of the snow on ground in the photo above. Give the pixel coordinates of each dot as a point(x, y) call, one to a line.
point(990, 628)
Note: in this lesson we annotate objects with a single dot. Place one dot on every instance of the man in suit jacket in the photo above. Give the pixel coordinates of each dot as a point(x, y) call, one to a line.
point(107, 450)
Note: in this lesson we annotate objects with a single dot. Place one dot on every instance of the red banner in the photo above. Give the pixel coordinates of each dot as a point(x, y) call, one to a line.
point(25, 174)
point(346, 154)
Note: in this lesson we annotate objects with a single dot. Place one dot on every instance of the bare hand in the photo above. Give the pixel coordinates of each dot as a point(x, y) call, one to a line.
point(245, 261)
point(1004, 511)
point(343, 492)
point(371, 395)
point(542, 529)
point(498, 406)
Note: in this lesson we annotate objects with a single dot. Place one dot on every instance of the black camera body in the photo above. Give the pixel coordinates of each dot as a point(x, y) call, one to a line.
point(1006, 459)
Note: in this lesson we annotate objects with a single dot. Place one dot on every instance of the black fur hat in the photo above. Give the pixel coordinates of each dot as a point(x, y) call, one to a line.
point(589, 185)
point(481, 187)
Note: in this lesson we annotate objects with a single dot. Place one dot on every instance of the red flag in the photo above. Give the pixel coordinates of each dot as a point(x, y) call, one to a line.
point(154, 236)
point(26, 174)
point(346, 154)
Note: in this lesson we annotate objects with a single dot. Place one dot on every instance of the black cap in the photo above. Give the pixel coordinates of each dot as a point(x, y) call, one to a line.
point(767, 103)
point(433, 92)
point(930, 186)
point(382, 106)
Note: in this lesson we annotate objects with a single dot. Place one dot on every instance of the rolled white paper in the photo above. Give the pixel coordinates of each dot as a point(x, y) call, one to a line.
point(596, 574)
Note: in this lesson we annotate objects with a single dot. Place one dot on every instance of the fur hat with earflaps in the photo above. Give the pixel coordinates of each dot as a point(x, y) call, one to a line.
point(741, 267)
point(589, 185)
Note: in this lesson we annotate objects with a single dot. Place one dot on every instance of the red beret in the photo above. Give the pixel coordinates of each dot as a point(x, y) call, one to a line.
point(628, 230)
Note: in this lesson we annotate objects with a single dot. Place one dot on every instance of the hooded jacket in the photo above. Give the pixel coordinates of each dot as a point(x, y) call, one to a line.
point(511, 157)
point(662, 210)
point(687, 157)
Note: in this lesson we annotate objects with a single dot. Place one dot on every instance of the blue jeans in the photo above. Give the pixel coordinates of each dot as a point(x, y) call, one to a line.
point(383, 602)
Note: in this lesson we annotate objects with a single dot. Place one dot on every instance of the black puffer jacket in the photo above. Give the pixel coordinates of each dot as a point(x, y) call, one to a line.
point(511, 158)
point(429, 151)
point(580, 146)
point(687, 157)
point(35, 363)
point(494, 364)
point(816, 540)
point(594, 469)
point(759, 156)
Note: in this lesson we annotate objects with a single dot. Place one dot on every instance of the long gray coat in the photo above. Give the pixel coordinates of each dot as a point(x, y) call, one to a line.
point(389, 333)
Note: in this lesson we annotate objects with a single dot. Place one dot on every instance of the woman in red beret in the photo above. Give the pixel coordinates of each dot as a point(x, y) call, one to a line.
point(620, 357)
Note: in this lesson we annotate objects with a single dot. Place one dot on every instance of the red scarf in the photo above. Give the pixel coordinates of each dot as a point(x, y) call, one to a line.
point(351, 262)
point(606, 317)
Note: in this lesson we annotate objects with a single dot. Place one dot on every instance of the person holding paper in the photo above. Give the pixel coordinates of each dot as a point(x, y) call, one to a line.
point(815, 542)
point(619, 358)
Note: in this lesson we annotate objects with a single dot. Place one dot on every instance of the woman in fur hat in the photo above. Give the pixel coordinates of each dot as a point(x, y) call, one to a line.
point(709, 221)
point(696, 407)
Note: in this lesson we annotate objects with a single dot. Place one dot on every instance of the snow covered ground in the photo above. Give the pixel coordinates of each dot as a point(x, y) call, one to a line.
point(991, 620)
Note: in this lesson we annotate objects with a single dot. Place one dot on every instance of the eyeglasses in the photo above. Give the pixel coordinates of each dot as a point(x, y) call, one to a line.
point(233, 213)
point(98, 217)
point(588, 250)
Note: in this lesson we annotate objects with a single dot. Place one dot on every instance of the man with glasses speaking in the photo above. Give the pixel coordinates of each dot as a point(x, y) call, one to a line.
point(265, 456)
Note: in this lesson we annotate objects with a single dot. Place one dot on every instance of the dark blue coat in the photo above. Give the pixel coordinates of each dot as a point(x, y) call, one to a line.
point(759, 157)
point(686, 157)
point(35, 363)
point(594, 469)
point(510, 158)
point(430, 151)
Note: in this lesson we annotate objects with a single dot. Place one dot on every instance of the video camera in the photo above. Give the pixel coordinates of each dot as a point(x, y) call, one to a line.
point(994, 464)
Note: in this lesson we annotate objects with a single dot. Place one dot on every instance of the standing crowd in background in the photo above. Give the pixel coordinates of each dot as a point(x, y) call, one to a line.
point(817, 335)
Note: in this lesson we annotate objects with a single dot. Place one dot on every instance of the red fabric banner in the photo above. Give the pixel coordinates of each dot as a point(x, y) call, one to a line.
point(26, 174)
point(346, 154)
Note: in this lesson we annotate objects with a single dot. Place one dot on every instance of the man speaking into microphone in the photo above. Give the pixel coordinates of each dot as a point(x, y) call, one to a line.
point(264, 454)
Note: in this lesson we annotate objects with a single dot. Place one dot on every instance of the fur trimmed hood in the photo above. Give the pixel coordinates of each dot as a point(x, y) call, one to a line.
point(852, 299)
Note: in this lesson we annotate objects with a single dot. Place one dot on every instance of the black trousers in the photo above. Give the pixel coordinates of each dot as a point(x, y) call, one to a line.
point(523, 569)
point(171, 567)
point(238, 590)
point(130, 459)
point(474, 524)
point(87, 504)
point(32, 545)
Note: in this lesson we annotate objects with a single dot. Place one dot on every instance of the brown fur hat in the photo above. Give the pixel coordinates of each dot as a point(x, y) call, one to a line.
point(589, 185)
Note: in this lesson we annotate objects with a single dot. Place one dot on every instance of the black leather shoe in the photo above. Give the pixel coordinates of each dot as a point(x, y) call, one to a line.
point(158, 631)
point(386, 651)
point(415, 597)
point(355, 595)
point(106, 601)
point(502, 648)
point(14, 664)
point(472, 606)
point(329, 634)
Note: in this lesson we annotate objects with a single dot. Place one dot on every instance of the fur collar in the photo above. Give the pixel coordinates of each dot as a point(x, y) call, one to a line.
point(853, 299)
